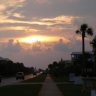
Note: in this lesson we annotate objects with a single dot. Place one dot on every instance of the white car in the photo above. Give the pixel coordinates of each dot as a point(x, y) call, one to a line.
point(19, 75)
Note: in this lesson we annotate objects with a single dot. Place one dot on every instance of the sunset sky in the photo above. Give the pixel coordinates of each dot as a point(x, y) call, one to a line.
point(38, 32)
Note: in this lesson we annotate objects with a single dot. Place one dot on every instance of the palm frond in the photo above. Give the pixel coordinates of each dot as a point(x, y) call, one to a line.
point(93, 42)
point(83, 27)
point(90, 31)
point(78, 32)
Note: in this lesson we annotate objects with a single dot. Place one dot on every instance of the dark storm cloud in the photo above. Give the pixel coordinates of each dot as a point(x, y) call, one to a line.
point(58, 7)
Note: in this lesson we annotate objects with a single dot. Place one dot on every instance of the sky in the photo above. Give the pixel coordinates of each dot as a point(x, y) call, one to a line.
point(38, 32)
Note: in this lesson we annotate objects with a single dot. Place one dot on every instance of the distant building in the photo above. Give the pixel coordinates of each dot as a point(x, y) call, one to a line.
point(66, 62)
point(77, 59)
point(1, 58)
point(77, 56)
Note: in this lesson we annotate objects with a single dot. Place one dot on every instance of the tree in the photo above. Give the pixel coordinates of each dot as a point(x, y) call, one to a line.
point(83, 31)
point(93, 43)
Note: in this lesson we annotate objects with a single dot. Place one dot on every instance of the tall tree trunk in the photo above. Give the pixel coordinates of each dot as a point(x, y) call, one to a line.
point(83, 52)
point(83, 45)
point(94, 66)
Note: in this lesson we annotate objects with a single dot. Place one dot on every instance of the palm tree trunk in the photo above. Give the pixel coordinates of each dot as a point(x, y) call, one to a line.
point(83, 51)
point(94, 66)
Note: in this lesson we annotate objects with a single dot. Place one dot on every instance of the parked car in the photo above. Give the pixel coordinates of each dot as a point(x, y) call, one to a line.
point(19, 75)
point(34, 73)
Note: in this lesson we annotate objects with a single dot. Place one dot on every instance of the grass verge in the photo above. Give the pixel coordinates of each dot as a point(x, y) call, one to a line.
point(20, 90)
point(61, 79)
point(68, 88)
point(39, 78)
point(73, 90)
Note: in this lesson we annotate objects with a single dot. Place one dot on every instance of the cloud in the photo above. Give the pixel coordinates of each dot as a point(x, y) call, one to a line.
point(10, 46)
point(58, 7)
point(65, 20)
point(8, 8)
point(41, 59)
point(36, 47)
point(11, 28)
point(40, 54)
point(41, 46)
point(10, 3)
point(42, 1)
point(61, 46)
point(18, 15)
point(57, 19)
point(12, 50)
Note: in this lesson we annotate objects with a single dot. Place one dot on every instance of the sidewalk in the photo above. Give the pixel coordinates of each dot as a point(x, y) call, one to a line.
point(49, 88)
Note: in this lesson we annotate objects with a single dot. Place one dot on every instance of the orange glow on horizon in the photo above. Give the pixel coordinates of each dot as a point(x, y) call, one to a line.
point(33, 39)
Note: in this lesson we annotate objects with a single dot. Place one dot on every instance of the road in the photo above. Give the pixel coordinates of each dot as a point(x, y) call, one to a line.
point(12, 80)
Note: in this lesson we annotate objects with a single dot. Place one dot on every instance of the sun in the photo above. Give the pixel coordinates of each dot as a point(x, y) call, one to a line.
point(32, 39)
point(40, 38)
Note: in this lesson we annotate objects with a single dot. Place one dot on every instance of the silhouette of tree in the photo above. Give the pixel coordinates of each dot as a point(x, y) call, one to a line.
point(9, 68)
point(60, 69)
point(83, 31)
point(93, 43)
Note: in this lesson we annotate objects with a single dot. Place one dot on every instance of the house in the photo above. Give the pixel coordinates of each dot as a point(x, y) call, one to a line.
point(77, 60)
point(77, 57)
point(6, 59)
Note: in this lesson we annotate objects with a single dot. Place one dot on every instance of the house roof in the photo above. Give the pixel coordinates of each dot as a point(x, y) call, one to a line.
point(79, 53)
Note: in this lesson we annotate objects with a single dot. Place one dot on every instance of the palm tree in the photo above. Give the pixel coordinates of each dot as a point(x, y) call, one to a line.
point(93, 43)
point(83, 31)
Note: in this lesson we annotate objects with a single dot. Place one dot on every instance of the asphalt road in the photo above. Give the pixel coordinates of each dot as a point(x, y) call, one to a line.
point(12, 80)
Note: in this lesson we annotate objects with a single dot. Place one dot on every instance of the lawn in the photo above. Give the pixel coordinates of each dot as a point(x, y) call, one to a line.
point(68, 88)
point(73, 90)
point(37, 79)
point(20, 90)
point(90, 82)
point(61, 79)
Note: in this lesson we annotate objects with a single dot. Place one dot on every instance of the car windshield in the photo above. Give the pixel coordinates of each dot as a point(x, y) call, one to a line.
point(20, 73)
